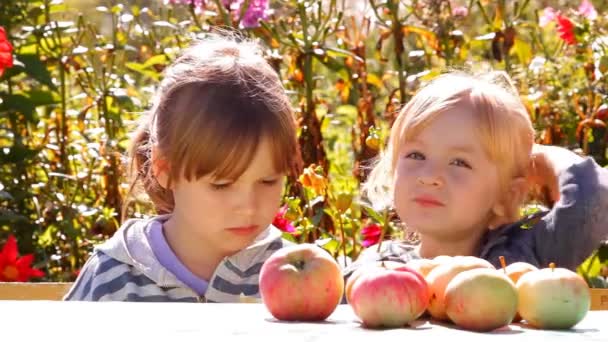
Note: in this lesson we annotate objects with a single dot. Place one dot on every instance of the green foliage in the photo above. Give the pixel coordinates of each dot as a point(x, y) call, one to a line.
point(78, 86)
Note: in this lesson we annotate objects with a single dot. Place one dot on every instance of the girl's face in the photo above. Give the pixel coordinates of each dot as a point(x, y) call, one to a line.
point(227, 214)
point(445, 186)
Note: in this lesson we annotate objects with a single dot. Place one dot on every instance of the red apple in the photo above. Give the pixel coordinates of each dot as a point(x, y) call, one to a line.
point(366, 269)
point(389, 297)
point(301, 283)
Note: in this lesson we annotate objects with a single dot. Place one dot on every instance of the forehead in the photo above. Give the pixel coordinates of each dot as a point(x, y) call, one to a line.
point(455, 128)
point(262, 164)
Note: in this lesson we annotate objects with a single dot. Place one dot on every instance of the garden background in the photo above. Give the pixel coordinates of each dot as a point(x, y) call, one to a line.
point(75, 76)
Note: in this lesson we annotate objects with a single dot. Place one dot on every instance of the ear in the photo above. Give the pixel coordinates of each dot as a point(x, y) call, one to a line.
point(518, 190)
point(515, 194)
point(160, 168)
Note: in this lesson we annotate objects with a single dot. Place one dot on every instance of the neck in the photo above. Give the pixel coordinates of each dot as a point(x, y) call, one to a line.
point(188, 249)
point(431, 247)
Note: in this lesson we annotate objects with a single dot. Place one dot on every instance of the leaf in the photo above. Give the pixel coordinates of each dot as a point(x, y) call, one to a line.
point(5, 196)
point(42, 98)
point(375, 215)
point(427, 35)
point(590, 267)
point(46, 239)
point(18, 153)
point(7, 216)
point(374, 80)
point(598, 282)
point(329, 244)
point(138, 67)
point(523, 51)
point(21, 104)
point(163, 23)
point(498, 17)
point(35, 68)
point(158, 59)
point(602, 252)
point(347, 110)
point(336, 52)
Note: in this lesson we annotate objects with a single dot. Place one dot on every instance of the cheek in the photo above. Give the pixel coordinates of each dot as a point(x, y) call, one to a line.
point(268, 204)
point(269, 196)
point(401, 189)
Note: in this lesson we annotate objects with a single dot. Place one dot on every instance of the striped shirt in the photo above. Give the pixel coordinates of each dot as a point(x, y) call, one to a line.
point(125, 268)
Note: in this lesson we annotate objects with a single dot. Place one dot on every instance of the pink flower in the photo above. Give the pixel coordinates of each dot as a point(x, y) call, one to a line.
point(282, 223)
point(460, 11)
point(257, 10)
point(371, 234)
point(549, 15)
point(587, 10)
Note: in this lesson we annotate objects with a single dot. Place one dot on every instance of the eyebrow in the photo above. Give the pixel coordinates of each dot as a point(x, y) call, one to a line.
point(463, 148)
point(468, 149)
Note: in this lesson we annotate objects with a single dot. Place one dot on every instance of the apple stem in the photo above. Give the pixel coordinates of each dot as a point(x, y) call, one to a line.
point(503, 263)
point(552, 266)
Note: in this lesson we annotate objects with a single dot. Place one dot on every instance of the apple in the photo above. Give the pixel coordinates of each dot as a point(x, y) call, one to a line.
point(301, 283)
point(390, 298)
point(517, 269)
point(481, 299)
point(423, 266)
point(552, 298)
point(365, 269)
point(514, 271)
point(440, 276)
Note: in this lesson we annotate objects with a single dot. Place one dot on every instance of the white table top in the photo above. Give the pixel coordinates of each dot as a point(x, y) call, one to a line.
point(117, 321)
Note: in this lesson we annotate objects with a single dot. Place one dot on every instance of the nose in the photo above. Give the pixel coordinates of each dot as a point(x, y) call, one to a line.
point(430, 176)
point(246, 203)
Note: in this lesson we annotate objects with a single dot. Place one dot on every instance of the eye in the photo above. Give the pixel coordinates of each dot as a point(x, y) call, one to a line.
point(461, 163)
point(220, 186)
point(270, 182)
point(415, 155)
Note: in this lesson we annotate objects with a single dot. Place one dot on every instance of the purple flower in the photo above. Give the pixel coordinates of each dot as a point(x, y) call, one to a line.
point(257, 10)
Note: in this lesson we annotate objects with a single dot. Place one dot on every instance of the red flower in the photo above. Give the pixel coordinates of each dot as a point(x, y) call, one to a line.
point(565, 28)
point(371, 234)
point(6, 52)
point(13, 268)
point(282, 223)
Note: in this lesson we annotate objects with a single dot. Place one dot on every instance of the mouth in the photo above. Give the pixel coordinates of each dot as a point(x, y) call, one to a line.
point(428, 202)
point(243, 230)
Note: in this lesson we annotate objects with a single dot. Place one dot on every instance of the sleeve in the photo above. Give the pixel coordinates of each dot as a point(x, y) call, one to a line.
point(578, 222)
point(97, 272)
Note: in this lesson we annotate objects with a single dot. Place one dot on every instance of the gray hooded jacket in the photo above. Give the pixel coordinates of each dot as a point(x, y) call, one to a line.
point(124, 268)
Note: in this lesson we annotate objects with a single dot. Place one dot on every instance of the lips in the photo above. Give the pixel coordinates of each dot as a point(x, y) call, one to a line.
point(428, 202)
point(244, 230)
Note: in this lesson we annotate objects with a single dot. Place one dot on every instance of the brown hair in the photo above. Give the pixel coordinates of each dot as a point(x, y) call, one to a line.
point(215, 104)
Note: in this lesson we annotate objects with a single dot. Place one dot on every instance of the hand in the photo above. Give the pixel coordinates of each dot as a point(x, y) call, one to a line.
point(547, 164)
